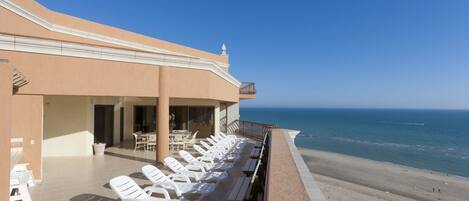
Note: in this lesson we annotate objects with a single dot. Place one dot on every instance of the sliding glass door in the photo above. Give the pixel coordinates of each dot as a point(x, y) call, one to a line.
point(193, 118)
point(202, 119)
point(145, 119)
point(179, 118)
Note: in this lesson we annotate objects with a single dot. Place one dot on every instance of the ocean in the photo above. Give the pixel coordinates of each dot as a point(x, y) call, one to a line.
point(436, 140)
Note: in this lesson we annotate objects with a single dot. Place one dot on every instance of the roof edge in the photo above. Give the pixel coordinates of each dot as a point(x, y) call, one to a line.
point(63, 23)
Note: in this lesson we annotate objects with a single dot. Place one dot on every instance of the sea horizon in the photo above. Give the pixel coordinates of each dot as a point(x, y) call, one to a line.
point(428, 139)
point(354, 108)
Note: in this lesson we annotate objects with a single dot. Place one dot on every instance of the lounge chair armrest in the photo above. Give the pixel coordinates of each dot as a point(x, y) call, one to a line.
point(190, 173)
point(196, 164)
point(152, 189)
point(179, 177)
point(195, 167)
point(205, 159)
point(129, 199)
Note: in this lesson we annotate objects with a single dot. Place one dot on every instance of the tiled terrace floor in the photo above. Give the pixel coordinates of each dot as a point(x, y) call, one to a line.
point(87, 178)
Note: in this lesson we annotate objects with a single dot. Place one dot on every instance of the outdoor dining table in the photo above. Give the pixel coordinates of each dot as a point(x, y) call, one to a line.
point(176, 138)
point(172, 134)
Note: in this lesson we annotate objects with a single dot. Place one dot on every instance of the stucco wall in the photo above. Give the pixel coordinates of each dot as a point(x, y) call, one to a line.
point(233, 112)
point(230, 113)
point(200, 84)
point(18, 25)
point(27, 124)
point(61, 75)
point(68, 126)
point(5, 128)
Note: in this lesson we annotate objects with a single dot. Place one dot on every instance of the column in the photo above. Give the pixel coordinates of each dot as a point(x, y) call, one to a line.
point(217, 115)
point(163, 116)
point(227, 119)
point(5, 127)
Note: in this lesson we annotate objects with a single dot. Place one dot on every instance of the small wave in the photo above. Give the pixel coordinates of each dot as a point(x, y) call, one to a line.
point(404, 123)
point(384, 144)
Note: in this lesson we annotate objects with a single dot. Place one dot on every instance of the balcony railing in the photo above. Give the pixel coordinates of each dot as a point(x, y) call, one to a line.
point(280, 172)
point(247, 88)
point(251, 129)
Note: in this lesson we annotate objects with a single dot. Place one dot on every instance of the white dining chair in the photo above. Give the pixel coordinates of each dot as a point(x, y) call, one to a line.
point(191, 139)
point(151, 142)
point(140, 142)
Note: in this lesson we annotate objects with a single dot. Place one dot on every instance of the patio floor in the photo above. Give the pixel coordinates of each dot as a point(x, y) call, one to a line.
point(87, 178)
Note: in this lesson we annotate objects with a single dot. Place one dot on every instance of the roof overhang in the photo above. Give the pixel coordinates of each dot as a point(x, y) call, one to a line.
point(147, 54)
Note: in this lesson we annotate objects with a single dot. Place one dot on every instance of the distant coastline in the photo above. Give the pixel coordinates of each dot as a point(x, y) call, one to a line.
point(423, 139)
point(357, 108)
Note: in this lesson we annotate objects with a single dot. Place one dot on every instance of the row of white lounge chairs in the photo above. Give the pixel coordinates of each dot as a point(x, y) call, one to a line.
point(201, 175)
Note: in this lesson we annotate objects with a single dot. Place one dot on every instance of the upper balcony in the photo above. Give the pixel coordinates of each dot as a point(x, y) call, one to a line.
point(247, 91)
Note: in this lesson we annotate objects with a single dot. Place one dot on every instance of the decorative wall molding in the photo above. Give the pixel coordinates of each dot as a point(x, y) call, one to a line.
point(215, 66)
point(53, 47)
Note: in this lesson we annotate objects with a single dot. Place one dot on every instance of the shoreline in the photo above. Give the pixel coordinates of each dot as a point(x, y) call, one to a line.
point(434, 172)
point(342, 177)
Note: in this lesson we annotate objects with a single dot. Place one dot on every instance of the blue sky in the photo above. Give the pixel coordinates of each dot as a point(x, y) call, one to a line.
point(327, 53)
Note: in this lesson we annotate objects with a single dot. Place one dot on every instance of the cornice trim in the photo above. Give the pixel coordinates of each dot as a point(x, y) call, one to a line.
point(98, 37)
point(53, 47)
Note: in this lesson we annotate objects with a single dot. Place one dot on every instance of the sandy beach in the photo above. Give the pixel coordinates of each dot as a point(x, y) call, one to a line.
point(347, 178)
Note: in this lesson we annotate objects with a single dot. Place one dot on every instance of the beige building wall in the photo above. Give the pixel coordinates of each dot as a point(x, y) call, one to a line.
point(54, 113)
point(5, 128)
point(68, 126)
point(61, 75)
point(230, 113)
point(27, 119)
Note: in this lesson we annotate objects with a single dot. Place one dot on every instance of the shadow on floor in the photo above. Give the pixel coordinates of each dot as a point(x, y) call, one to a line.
point(137, 175)
point(91, 197)
point(107, 185)
point(130, 157)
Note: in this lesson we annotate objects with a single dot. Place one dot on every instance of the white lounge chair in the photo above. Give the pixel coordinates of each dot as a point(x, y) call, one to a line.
point(231, 141)
point(206, 155)
point(211, 141)
point(213, 155)
point(216, 138)
point(188, 170)
point(225, 143)
point(200, 161)
point(240, 142)
point(230, 136)
point(128, 190)
point(172, 182)
point(222, 149)
point(19, 186)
